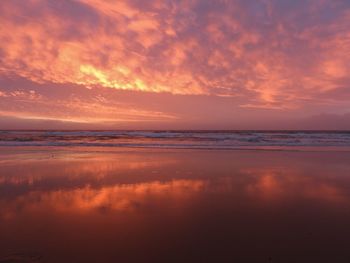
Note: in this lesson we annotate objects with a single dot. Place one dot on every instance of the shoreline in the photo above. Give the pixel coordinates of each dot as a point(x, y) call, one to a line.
point(112, 149)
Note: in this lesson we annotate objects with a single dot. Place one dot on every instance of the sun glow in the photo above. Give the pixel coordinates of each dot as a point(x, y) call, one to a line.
point(271, 58)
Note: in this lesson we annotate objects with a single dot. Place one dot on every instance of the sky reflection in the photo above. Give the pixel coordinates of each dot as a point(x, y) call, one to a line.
point(165, 202)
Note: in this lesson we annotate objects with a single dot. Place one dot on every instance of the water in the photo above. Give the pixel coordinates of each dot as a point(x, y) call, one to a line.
point(174, 196)
point(73, 204)
point(177, 139)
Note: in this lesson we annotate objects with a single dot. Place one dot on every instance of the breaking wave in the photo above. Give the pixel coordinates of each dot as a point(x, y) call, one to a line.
point(176, 139)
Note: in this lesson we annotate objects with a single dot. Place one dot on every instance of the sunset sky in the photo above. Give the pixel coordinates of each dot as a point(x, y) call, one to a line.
point(175, 64)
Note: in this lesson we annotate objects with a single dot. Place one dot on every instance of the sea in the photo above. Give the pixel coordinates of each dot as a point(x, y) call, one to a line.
point(174, 196)
point(178, 139)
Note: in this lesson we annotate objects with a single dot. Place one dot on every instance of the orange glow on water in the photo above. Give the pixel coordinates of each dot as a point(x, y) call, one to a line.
point(93, 204)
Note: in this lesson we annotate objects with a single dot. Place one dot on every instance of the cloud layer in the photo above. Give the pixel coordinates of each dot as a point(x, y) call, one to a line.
point(268, 54)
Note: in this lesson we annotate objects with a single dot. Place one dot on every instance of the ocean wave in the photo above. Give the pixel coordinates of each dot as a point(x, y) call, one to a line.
point(176, 139)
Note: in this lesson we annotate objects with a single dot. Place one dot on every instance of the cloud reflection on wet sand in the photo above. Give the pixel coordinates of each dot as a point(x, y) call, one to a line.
point(103, 206)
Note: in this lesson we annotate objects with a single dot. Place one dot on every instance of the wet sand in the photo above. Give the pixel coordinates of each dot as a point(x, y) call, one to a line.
point(133, 205)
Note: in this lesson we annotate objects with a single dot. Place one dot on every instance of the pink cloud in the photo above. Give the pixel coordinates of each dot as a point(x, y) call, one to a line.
point(287, 56)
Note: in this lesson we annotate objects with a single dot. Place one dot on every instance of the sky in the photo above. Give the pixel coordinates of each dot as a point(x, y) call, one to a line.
point(175, 64)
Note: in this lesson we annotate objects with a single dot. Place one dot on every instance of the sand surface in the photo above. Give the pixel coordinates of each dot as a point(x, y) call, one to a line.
point(143, 205)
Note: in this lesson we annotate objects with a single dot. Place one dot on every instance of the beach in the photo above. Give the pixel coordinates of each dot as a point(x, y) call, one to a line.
point(99, 204)
point(178, 131)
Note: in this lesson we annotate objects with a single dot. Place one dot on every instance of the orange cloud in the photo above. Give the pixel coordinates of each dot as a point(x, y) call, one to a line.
point(269, 55)
point(93, 109)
